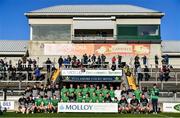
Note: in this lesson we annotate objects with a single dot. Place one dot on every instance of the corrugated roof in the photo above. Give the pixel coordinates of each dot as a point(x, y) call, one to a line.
point(13, 45)
point(170, 46)
point(94, 9)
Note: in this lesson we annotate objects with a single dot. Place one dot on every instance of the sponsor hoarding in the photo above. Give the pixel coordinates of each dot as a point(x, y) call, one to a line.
point(107, 49)
point(9, 105)
point(171, 107)
point(91, 73)
point(92, 78)
point(88, 107)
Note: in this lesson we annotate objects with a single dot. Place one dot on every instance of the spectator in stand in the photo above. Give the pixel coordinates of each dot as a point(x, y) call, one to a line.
point(146, 73)
point(60, 61)
point(103, 58)
point(99, 61)
point(37, 73)
point(48, 64)
point(85, 60)
point(136, 65)
point(69, 59)
point(74, 58)
point(113, 59)
point(166, 58)
point(119, 61)
point(156, 61)
point(139, 74)
point(144, 58)
point(136, 58)
point(93, 58)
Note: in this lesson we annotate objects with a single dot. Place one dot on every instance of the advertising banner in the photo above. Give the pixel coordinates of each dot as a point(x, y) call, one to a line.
point(171, 107)
point(88, 107)
point(91, 73)
point(98, 49)
point(9, 105)
point(92, 78)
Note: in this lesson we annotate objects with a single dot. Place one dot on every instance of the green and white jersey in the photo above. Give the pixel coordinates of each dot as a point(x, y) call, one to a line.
point(138, 94)
point(91, 91)
point(100, 99)
point(154, 93)
point(98, 92)
point(79, 99)
point(112, 94)
point(71, 90)
point(54, 102)
point(105, 92)
point(84, 91)
point(78, 91)
point(94, 99)
point(46, 102)
point(65, 99)
point(38, 101)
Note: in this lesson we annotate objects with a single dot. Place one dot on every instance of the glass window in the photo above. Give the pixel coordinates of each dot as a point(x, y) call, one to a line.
point(51, 32)
point(148, 30)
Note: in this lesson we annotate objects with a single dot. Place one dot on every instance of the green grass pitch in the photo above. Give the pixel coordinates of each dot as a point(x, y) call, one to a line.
point(89, 115)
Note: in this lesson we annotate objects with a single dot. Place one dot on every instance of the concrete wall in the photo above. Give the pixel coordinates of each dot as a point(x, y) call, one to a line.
point(50, 21)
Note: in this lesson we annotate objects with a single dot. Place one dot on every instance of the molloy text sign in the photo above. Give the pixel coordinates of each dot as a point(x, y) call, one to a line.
point(88, 107)
point(91, 73)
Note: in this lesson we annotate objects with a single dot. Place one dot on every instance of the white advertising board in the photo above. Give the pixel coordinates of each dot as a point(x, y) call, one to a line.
point(171, 107)
point(91, 73)
point(88, 107)
point(9, 105)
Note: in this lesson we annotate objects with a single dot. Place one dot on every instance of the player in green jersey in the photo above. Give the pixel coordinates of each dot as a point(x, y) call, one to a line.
point(79, 98)
point(105, 91)
point(100, 98)
point(87, 99)
point(78, 90)
point(54, 104)
point(46, 104)
point(137, 93)
point(91, 90)
point(65, 98)
point(64, 90)
point(38, 103)
point(98, 91)
point(71, 89)
point(94, 98)
point(111, 92)
point(85, 90)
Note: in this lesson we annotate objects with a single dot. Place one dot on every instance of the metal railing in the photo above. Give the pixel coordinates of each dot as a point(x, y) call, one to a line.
point(174, 79)
point(88, 38)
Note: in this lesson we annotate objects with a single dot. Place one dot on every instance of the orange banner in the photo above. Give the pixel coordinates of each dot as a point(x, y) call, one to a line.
point(97, 49)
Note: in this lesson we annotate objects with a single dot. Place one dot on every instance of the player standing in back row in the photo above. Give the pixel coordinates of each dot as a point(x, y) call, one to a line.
point(154, 98)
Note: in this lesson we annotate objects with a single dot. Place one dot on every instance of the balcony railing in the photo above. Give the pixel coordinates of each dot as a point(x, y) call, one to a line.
point(89, 38)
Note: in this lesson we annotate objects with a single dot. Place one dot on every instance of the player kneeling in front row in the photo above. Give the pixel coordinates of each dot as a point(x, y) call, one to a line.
point(134, 105)
point(144, 105)
point(30, 105)
point(38, 104)
point(46, 104)
point(22, 105)
point(54, 104)
point(123, 105)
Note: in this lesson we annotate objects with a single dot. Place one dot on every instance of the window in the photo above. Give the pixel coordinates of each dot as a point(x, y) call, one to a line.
point(51, 32)
point(148, 30)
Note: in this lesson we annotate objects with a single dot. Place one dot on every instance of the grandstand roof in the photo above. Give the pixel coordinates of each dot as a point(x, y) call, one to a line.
point(13, 46)
point(170, 46)
point(118, 9)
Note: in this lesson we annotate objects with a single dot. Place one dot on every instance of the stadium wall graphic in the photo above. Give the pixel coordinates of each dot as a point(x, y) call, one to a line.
point(107, 49)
